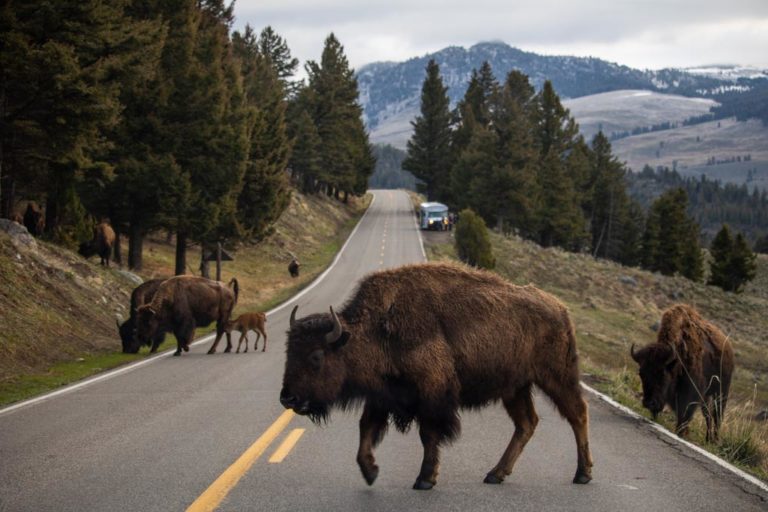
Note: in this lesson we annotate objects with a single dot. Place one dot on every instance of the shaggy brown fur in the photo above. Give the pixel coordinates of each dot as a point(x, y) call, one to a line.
point(101, 244)
point(141, 295)
point(34, 219)
point(690, 364)
point(248, 322)
point(17, 218)
point(293, 267)
point(425, 340)
point(183, 303)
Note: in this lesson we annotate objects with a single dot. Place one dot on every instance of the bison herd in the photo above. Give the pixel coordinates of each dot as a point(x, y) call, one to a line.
point(419, 343)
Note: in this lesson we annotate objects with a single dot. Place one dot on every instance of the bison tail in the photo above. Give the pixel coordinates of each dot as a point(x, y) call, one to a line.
point(235, 287)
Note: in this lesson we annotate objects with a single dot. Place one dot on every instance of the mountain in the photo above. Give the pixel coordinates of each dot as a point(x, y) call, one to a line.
point(390, 91)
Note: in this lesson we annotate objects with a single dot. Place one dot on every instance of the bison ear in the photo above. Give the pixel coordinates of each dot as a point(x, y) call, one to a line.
point(341, 341)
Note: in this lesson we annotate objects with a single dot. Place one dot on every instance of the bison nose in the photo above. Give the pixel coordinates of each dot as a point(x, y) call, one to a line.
point(289, 401)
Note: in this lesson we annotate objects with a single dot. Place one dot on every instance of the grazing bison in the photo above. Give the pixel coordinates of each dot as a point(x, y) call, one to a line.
point(419, 342)
point(293, 267)
point(34, 220)
point(248, 322)
point(690, 365)
point(183, 303)
point(101, 244)
point(141, 295)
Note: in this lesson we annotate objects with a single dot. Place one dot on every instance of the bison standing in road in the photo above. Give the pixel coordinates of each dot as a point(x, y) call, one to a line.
point(690, 365)
point(141, 295)
point(419, 342)
point(101, 244)
point(183, 303)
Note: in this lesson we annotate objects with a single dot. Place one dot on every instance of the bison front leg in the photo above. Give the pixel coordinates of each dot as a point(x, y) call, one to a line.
point(520, 408)
point(430, 440)
point(373, 426)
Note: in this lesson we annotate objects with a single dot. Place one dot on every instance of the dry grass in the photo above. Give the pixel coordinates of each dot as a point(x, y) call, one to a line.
point(58, 311)
point(614, 306)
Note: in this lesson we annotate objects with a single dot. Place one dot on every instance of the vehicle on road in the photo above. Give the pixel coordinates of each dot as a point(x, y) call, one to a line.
point(433, 216)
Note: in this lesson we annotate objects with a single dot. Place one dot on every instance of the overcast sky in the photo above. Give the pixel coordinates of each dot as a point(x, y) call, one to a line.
point(640, 33)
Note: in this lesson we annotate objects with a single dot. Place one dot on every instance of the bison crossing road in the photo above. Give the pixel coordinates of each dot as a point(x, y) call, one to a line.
point(161, 434)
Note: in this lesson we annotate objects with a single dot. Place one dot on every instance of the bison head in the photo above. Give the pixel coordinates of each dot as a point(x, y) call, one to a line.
point(657, 368)
point(147, 324)
point(131, 345)
point(315, 370)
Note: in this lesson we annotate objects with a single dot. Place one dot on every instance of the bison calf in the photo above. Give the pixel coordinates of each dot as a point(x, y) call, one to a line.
point(248, 322)
point(293, 267)
point(420, 342)
point(690, 365)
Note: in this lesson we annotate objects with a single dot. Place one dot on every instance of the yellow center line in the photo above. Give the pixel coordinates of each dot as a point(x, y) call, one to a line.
point(218, 490)
point(286, 446)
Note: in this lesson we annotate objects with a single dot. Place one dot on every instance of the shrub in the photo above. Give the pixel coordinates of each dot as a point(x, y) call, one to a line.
point(472, 242)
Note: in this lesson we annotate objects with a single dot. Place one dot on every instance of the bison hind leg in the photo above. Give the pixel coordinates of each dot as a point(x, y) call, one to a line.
point(520, 408)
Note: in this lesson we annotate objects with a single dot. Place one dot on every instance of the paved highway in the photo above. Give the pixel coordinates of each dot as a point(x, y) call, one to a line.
point(206, 432)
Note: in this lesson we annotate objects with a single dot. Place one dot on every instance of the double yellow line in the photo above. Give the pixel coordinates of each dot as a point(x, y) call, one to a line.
point(218, 490)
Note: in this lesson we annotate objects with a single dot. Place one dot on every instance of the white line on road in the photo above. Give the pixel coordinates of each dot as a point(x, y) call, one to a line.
point(130, 367)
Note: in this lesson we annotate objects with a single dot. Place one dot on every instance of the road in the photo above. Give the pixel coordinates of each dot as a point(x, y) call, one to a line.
point(201, 430)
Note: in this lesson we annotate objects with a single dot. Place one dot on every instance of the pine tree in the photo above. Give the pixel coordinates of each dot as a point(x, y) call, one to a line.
point(275, 49)
point(721, 250)
point(606, 201)
point(473, 244)
point(264, 194)
point(558, 219)
point(429, 153)
point(345, 154)
point(743, 265)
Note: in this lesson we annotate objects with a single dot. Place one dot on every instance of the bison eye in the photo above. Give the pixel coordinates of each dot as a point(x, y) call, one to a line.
point(316, 359)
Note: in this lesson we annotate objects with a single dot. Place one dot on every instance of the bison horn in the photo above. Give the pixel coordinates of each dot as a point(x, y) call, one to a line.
point(633, 353)
point(335, 334)
point(293, 316)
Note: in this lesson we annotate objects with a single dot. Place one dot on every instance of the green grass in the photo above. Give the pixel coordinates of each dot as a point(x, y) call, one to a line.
point(260, 269)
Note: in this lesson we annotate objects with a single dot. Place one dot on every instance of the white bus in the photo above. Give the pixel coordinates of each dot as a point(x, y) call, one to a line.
point(433, 216)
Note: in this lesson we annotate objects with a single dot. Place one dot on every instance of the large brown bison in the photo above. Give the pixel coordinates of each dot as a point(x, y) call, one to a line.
point(419, 342)
point(690, 365)
point(34, 219)
point(101, 244)
point(183, 303)
point(141, 295)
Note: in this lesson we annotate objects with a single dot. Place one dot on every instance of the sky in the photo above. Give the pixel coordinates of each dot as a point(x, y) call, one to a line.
point(645, 34)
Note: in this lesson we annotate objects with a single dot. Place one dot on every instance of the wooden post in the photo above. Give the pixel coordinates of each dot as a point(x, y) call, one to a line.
point(218, 261)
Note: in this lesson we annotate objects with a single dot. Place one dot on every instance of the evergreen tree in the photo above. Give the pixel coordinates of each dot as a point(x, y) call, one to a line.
point(761, 245)
point(733, 263)
point(558, 219)
point(606, 202)
point(429, 153)
point(273, 47)
point(264, 194)
point(721, 250)
point(671, 239)
point(345, 154)
point(305, 159)
point(473, 244)
point(743, 265)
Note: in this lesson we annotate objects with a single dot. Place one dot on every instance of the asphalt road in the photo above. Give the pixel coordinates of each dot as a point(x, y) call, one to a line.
point(191, 430)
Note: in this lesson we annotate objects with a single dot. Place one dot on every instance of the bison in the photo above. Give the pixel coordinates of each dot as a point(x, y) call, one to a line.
point(293, 267)
point(418, 343)
point(34, 220)
point(183, 303)
point(101, 244)
point(141, 295)
point(248, 322)
point(690, 365)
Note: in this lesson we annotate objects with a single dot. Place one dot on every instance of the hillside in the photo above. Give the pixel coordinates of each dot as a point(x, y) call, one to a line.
point(390, 91)
point(58, 320)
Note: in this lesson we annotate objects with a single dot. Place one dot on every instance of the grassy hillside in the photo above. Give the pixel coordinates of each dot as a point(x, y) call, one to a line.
point(58, 320)
point(614, 306)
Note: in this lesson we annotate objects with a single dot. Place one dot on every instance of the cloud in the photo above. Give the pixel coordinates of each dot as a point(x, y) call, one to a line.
point(647, 34)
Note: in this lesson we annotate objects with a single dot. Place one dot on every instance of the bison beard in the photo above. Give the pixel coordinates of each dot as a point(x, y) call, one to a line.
point(420, 342)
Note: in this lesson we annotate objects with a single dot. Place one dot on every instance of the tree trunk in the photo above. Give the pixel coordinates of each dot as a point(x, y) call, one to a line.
point(51, 213)
point(346, 197)
point(181, 253)
point(117, 252)
point(205, 268)
point(7, 193)
point(135, 247)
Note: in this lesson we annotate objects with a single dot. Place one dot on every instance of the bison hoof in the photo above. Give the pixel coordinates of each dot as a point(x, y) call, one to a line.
point(186, 348)
point(227, 350)
point(582, 478)
point(211, 351)
point(490, 478)
point(177, 353)
point(422, 485)
point(371, 475)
